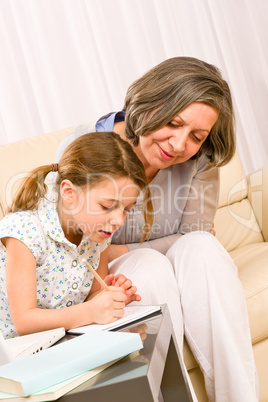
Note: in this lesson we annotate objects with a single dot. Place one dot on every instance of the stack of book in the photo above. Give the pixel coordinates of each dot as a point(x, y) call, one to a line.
point(55, 371)
point(59, 369)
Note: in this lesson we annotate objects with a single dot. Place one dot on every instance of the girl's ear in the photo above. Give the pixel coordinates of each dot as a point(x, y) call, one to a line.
point(68, 191)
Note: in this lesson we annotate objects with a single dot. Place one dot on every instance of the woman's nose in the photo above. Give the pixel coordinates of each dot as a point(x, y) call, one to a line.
point(178, 142)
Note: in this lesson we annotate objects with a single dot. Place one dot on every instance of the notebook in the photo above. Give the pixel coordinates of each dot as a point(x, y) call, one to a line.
point(133, 314)
point(21, 346)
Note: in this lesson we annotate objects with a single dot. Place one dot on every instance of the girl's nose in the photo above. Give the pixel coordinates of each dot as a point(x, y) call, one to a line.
point(117, 218)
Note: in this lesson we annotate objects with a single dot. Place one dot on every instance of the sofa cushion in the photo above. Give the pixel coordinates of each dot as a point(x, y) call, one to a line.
point(236, 225)
point(233, 183)
point(251, 261)
point(258, 196)
point(22, 156)
point(260, 351)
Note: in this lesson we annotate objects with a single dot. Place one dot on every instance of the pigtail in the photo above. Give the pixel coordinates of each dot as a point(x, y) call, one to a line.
point(31, 189)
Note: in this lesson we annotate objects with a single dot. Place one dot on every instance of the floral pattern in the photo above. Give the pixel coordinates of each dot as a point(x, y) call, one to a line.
point(62, 278)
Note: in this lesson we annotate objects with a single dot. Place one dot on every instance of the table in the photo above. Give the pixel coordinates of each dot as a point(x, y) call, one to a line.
point(154, 375)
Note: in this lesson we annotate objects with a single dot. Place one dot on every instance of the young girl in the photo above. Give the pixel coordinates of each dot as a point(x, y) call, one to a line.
point(46, 235)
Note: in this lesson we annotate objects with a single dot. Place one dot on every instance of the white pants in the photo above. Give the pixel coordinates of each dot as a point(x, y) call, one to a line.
point(152, 273)
point(206, 303)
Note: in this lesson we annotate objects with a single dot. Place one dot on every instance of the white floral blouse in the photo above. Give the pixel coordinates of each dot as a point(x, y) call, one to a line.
point(62, 278)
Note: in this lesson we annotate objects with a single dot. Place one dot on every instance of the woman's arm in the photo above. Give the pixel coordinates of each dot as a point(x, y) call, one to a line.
point(106, 307)
point(185, 200)
point(116, 250)
point(202, 201)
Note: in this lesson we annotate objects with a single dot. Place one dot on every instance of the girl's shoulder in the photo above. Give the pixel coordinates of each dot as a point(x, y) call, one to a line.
point(20, 223)
point(19, 216)
point(15, 215)
point(26, 227)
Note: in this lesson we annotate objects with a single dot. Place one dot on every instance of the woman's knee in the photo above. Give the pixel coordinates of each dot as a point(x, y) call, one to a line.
point(199, 252)
point(198, 243)
point(151, 257)
point(148, 261)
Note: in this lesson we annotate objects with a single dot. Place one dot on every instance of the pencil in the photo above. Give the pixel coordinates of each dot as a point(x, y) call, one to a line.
point(97, 276)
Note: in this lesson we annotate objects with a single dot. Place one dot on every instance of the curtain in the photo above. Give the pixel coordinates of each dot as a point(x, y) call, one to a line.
point(68, 62)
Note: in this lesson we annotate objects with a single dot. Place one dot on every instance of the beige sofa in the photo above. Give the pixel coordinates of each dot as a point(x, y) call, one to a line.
point(241, 225)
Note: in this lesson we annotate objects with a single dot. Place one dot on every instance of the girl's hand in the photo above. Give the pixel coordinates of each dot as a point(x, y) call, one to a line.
point(124, 283)
point(108, 305)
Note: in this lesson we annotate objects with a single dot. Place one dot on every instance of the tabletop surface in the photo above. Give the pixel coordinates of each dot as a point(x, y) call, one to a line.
point(154, 375)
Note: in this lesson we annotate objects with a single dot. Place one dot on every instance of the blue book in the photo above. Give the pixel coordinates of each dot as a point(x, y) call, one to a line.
point(66, 360)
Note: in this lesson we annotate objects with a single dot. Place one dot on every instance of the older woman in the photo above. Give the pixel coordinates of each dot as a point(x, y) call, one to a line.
point(179, 119)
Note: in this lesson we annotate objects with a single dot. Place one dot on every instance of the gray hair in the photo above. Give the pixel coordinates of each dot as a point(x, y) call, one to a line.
point(159, 95)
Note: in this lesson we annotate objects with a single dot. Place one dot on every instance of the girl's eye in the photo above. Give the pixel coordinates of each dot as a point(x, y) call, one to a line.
point(107, 208)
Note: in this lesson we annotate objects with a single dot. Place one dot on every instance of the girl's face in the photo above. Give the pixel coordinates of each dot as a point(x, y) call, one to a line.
point(98, 211)
point(180, 139)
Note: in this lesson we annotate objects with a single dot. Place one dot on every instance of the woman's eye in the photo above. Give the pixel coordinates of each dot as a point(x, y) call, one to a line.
point(197, 139)
point(170, 124)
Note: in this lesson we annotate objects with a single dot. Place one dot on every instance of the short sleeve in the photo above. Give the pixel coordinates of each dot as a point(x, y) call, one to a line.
point(25, 227)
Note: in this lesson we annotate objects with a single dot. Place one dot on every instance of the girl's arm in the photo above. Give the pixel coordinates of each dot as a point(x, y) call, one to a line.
point(106, 307)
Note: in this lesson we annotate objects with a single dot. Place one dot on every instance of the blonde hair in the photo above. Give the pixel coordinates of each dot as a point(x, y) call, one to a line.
point(88, 160)
point(158, 96)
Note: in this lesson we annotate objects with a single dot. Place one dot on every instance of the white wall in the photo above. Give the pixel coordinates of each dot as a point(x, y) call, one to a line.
point(67, 62)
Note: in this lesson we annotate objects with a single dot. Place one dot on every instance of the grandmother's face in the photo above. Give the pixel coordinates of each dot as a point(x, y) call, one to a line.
point(180, 139)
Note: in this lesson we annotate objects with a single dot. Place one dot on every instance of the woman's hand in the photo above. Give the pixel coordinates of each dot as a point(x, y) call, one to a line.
point(212, 230)
point(124, 283)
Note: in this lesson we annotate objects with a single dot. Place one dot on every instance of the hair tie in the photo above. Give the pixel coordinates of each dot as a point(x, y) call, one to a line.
point(54, 167)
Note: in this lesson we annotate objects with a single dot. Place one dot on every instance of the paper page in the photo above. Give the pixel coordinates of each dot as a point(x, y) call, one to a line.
point(131, 314)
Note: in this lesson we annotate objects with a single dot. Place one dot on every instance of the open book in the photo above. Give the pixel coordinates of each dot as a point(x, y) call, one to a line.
point(133, 314)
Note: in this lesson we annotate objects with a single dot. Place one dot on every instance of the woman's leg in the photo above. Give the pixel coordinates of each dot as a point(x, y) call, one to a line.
point(153, 275)
point(215, 317)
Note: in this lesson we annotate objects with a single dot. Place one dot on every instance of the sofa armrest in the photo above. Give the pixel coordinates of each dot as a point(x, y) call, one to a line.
point(258, 196)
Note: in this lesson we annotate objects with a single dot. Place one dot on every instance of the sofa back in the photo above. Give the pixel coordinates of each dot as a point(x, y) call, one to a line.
point(18, 158)
point(235, 222)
